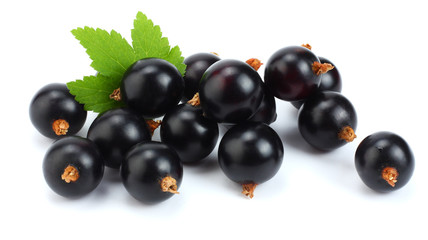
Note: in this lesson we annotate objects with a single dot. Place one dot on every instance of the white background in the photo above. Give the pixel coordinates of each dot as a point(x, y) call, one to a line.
point(380, 48)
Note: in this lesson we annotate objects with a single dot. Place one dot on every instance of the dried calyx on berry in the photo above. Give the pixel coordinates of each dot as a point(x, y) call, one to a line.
point(169, 184)
point(60, 127)
point(70, 174)
point(254, 63)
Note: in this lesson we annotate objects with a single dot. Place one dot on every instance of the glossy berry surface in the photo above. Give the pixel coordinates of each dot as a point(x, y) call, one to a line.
point(188, 132)
point(145, 169)
point(73, 167)
point(115, 132)
point(266, 113)
point(196, 65)
point(55, 113)
point(151, 87)
point(230, 91)
point(250, 153)
point(327, 120)
point(289, 74)
point(384, 161)
point(330, 81)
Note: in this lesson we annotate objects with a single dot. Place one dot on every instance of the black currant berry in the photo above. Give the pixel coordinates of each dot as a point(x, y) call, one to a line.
point(196, 65)
point(327, 120)
point(115, 132)
point(330, 81)
point(384, 161)
point(55, 113)
point(294, 73)
point(189, 133)
point(73, 167)
point(250, 153)
point(267, 109)
point(152, 172)
point(151, 87)
point(230, 91)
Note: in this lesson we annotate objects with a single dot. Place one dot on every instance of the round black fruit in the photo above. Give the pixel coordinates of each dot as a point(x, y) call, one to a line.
point(293, 73)
point(73, 167)
point(196, 65)
point(191, 134)
point(330, 81)
point(384, 161)
point(115, 132)
point(55, 113)
point(151, 87)
point(152, 172)
point(327, 120)
point(230, 91)
point(267, 109)
point(250, 153)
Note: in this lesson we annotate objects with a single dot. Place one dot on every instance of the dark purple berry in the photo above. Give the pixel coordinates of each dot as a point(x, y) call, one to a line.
point(55, 113)
point(115, 132)
point(384, 161)
point(294, 73)
point(196, 65)
point(152, 87)
point(330, 81)
point(188, 132)
point(230, 91)
point(250, 154)
point(327, 120)
point(73, 167)
point(152, 172)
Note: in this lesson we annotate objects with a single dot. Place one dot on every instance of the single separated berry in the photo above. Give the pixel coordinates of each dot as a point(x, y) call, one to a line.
point(250, 153)
point(152, 87)
point(327, 120)
point(152, 172)
point(384, 161)
point(73, 167)
point(55, 113)
point(196, 65)
point(230, 91)
point(191, 134)
point(294, 73)
point(115, 132)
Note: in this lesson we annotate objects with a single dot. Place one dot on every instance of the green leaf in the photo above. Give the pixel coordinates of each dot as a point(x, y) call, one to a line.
point(176, 59)
point(148, 42)
point(94, 92)
point(111, 54)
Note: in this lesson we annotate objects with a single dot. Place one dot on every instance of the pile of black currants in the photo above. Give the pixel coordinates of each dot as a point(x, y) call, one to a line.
point(212, 92)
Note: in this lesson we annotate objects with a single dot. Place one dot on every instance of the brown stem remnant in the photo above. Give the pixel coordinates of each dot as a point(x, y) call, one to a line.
point(195, 101)
point(390, 174)
point(248, 189)
point(347, 134)
point(115, 95)
point(60, 127)
point(214, 53)
point(254, 63)
point(321, 68)
point(169, 184)
point(70, 174)
point(306, 45)
point(153, 125)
